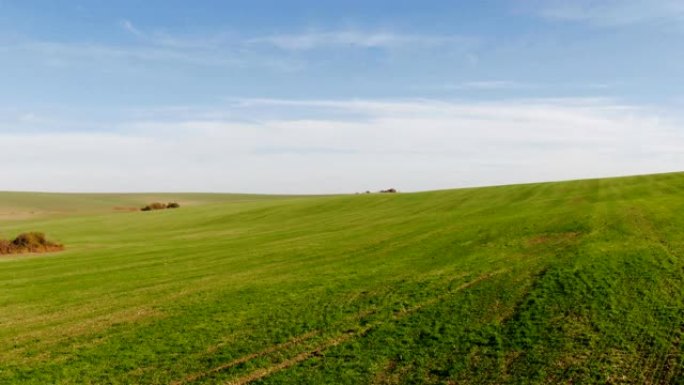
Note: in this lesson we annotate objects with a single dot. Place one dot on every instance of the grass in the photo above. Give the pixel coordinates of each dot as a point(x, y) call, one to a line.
point(23, 205)
point(573, 282)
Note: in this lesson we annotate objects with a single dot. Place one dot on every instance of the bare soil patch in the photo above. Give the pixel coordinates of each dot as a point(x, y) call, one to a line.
point(126, 209)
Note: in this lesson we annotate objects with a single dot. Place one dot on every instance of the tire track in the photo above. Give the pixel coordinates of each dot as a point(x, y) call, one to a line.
point(293, 342)
point(319, 349)
point(271, 349)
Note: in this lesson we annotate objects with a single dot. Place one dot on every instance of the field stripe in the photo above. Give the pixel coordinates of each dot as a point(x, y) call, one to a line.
point(261, 373)
point(264, 372)
point(271, 349)
point(285, 345)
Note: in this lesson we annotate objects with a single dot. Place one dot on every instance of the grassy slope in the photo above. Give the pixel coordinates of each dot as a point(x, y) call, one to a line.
point(576, 282)
point(27, 206)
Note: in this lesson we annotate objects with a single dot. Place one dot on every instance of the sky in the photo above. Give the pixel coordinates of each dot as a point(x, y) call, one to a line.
point(310, 97)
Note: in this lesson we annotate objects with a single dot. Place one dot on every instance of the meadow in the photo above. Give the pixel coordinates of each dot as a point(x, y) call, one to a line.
point(551, 283)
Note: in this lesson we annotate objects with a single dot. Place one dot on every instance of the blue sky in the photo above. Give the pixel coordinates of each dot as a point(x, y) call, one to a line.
point(336, 96)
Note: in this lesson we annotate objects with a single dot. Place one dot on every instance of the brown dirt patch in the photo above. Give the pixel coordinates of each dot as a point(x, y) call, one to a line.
point(126, 209)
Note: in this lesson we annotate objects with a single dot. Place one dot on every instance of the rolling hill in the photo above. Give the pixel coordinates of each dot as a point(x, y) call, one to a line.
point(568, 282)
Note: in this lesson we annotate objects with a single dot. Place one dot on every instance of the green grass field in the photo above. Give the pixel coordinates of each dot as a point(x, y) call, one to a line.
point(557, 283)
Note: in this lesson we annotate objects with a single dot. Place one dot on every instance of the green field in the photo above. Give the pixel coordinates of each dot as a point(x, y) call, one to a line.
point(556, 283)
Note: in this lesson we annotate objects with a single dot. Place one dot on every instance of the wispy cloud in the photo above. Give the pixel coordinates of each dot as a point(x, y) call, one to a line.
point(167, 40)
point(610, 12)
point(350, 38)
point(489, 85)
point(61, 54)
point(220, 49)
point(357, 39)
point(518, 86)
point(156, 46)
point(409, 144)
point(128, 26)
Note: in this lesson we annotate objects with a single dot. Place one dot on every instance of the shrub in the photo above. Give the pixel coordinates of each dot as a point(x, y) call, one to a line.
point(160, 206)
point(157, 206)
point(30, 240)
point(28, 243)
point(5, 246)
point(154, 206)
point(390, 191)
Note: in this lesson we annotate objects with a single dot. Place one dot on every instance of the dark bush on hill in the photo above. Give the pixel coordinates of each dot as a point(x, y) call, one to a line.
point(154, 206)
point(29, 243)
point(172, 205)
point(5, 246)
point(29, 239)
point(389, 191)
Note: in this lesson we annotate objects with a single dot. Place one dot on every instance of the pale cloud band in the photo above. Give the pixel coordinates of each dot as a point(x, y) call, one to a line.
point(366, 144)
point(221, 49)
point(358, 39)
point(610, 12)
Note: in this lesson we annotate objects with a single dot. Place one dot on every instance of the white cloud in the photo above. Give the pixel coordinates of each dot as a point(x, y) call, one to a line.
point(164, 39)
point(128, 26)
point(221, 49)
point(493, 85)
point(487, 85)
point(112, 57)
point(610, 12)
point(356, 39)
point(510, 85)
point(411, 145)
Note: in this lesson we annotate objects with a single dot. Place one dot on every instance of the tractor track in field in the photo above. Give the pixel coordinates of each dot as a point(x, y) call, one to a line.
point(303, 356)
point(318, 349)
point(264, 372)
point(271, 349)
